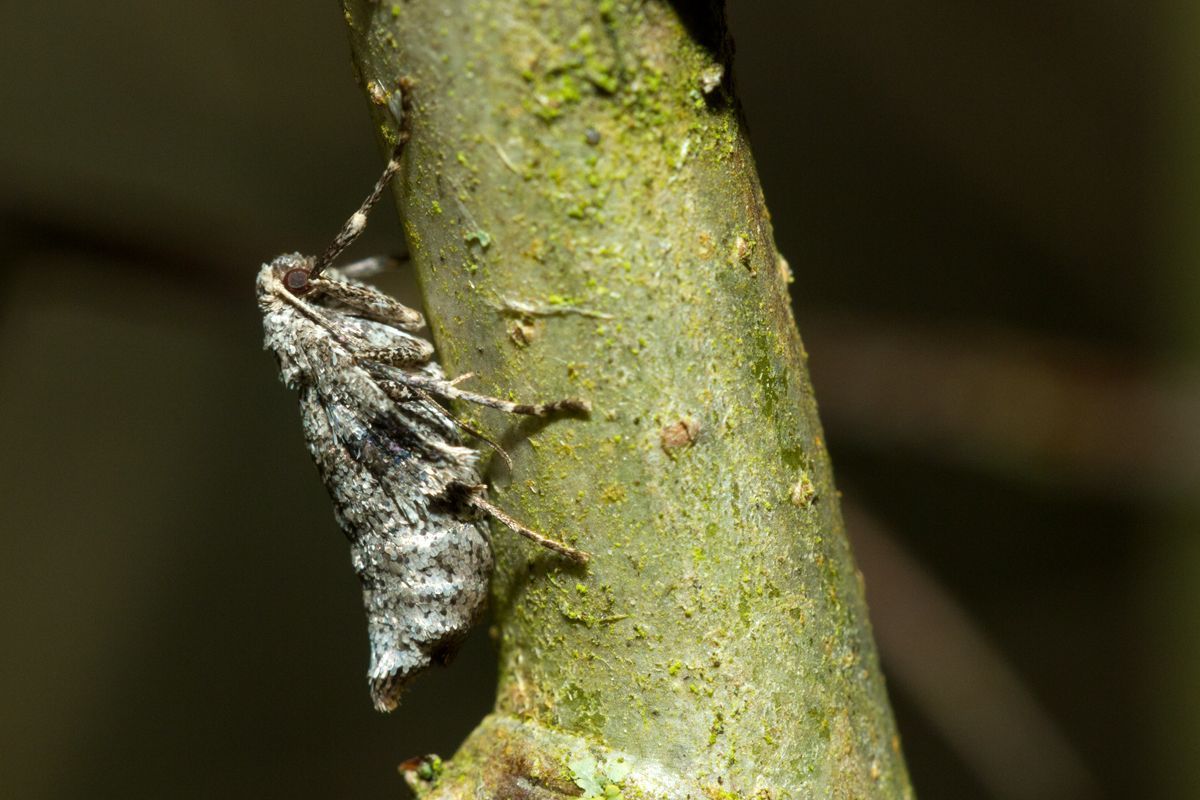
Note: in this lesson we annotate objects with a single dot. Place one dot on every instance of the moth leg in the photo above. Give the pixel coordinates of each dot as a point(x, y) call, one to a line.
point(412, 353)
point(370, 267)
point(448, 390)
point(461, 378)
point(402, 394)
point(476, 499)
point(369, 303)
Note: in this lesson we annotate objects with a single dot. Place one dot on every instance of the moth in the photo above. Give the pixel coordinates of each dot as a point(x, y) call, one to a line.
point(405, 491)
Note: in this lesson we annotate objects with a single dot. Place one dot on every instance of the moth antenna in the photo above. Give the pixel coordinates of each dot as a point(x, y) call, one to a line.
point(358, 220)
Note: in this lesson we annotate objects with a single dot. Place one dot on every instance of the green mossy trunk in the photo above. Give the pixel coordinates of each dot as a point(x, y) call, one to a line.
point(584, 160)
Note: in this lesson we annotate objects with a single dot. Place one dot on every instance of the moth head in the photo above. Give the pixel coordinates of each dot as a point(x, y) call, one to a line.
point(278, 280)
point(294, 272)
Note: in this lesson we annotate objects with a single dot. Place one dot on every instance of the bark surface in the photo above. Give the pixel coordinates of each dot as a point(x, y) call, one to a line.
point(585, 219)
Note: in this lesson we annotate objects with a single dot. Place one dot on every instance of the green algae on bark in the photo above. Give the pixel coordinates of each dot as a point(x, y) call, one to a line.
point(587, 156)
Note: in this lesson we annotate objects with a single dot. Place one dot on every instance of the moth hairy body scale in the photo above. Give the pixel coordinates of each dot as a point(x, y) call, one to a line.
point(405, 491)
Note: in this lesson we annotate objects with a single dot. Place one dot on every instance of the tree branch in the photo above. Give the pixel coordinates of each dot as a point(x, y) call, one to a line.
point(588, 154)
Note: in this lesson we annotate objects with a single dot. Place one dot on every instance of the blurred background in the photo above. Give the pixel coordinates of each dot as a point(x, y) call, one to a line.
point(991, 210)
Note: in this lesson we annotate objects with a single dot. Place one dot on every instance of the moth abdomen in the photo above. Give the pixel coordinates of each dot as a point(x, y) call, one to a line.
point(423, 602)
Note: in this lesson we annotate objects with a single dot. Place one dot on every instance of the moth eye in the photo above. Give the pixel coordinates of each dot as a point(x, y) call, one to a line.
point(296, 280)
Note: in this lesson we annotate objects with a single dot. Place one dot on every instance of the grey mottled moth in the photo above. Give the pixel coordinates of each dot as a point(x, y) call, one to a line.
point(405, 491)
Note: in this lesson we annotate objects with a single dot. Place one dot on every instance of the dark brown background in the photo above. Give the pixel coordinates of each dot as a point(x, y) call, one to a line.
point(989, 210)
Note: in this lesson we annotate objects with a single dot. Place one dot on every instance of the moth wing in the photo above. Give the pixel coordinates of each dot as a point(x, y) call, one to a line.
point(423, 562)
